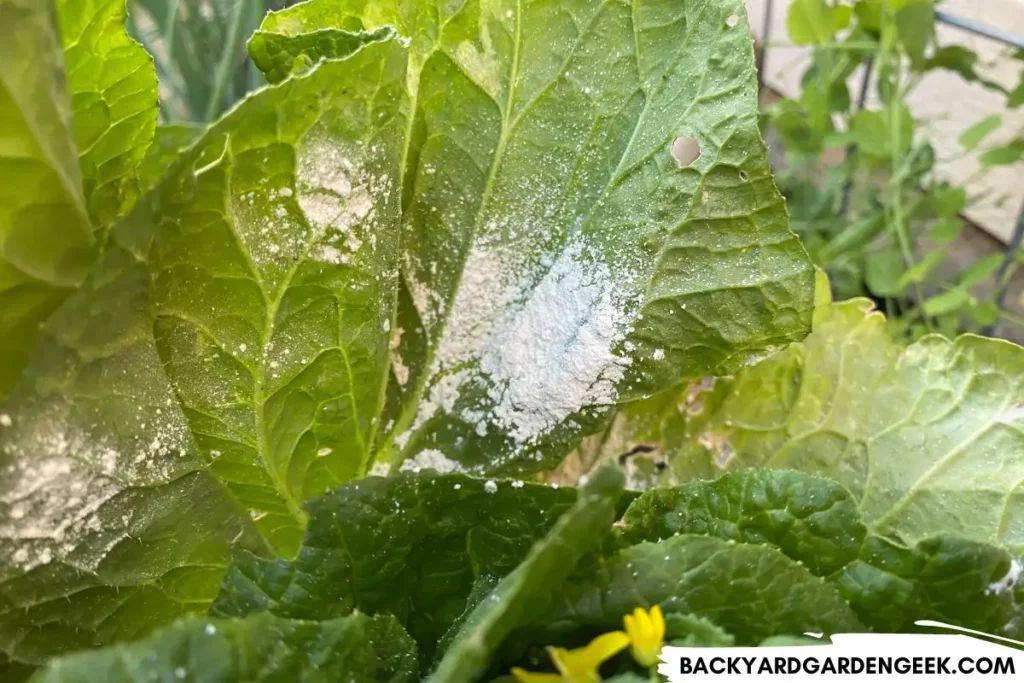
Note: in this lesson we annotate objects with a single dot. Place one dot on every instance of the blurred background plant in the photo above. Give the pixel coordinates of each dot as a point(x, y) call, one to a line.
point(878, 218)
point(199, 50)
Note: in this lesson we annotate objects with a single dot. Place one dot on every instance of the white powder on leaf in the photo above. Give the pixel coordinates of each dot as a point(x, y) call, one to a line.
point(5, 420)
point(491, 486)
point(554, 355)
point(431, 459)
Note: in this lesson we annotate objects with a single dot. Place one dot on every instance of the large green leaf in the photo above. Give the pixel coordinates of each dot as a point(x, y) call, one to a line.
point(413, 545)
point(815, 522)
point(927, 437)
point(224, 362)
point(752, 591)
point(114, 103)
point(45, 236)
point(529, 588)
point(260, 649)
point(558, 265)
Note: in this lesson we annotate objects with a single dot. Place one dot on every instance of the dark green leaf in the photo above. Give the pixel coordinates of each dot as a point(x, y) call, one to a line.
point(981, 270)
point(708, 577)
point(411, 545)
point(812, 520)
point(528, 589)
point(260, 649)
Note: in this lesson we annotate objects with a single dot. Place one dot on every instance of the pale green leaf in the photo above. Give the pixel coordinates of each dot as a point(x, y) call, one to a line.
point(114, 103)
point(948, 302)
point(556, 266)
point(973, 136)
point(230, 346)
point(981, 270)
point(920, 271)
point(815, 22)
point(927, 437)
point(260, 649)
point(45, 237)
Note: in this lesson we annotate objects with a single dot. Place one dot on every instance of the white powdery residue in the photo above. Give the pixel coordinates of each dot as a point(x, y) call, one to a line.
point(479, 301)
point(518, 484)
point(431, 459)
point(5, 420)
point(491, 486)
point(51, 492)
point(1007, 582)
point(659, 354)
point(328, 254)
point(380, 469)
point(323, 452)
point(554, 355)
point(441, 398)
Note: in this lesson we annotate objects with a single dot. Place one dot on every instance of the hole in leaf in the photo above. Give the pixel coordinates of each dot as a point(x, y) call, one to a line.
point(685, 151)
point(743, 176)
point(732, 20)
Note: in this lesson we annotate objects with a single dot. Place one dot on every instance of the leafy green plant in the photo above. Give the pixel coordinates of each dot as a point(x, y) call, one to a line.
point(880, 221)
point(279, 425)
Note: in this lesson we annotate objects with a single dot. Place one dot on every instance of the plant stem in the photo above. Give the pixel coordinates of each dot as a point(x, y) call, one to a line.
point(227, 61)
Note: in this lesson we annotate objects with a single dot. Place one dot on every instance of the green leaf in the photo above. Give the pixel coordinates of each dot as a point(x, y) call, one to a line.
point(962, 61)
point(279, 55)
point(687, 630)
point(945, 579)
point(114, 101)
point(920, 271)
point(981, 270)
point(413, 545)
point(260, 648)
point(811, 520)
point(915, 27)
point(973, 136)
point(45, 236)
point(815, 22)
point(926, 437)
point(230, 346)
point(1004, 155)
point(169, 143)
point(708, 577)
point(631, 218)
point(533, 584)
point(946, 230)
point(883, 273)
point(948, 302)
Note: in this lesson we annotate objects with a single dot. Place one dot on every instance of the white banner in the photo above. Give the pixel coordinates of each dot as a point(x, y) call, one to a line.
point(851, 658)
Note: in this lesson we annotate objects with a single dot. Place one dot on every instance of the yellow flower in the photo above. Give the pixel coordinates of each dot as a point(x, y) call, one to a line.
point(579, 665)
point(646, 631)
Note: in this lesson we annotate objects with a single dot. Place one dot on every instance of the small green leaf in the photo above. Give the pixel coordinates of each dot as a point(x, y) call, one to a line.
point(920, 271)
point(687, 630)
point(1003, 155)
point(980, 270)
point(986, 313)
point(946, 303)
point(260, 649)
point(815, 22)
point(915, 26)
point(946, 230)
point(532, 585)
point(277, 55)
point(973, 136)
point(883, 273)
